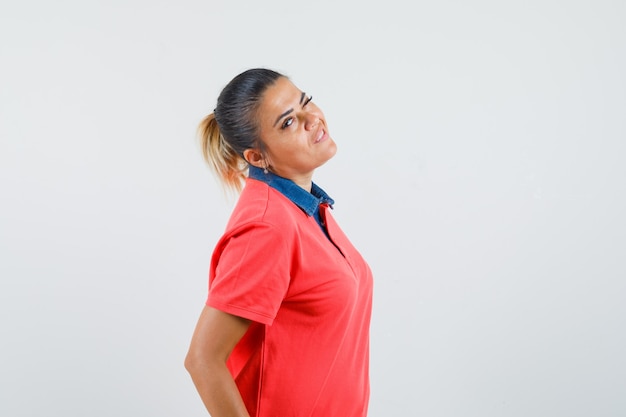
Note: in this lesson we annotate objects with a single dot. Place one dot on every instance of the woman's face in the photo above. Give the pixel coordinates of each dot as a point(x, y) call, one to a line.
point(294, 132)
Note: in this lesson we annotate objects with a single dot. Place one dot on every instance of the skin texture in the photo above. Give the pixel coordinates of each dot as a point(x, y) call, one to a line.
point(215, 336)
point(296, 141)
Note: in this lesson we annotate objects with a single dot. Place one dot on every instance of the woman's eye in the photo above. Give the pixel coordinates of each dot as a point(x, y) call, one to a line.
point(287, 122)
point(307, 101)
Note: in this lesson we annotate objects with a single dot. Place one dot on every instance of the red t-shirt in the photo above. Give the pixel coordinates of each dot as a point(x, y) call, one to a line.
point(306, 353)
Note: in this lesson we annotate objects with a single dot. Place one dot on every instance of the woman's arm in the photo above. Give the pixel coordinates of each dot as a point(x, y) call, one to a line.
point(215, 336)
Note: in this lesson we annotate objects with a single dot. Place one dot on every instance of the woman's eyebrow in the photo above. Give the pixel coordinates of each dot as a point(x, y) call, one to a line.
point(302, 96)
point(282, 115)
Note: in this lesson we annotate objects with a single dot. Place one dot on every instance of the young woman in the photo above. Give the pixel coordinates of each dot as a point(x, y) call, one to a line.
point(285, 329)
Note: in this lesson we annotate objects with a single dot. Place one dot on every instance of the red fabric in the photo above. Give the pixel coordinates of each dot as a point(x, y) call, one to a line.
point(307, 350)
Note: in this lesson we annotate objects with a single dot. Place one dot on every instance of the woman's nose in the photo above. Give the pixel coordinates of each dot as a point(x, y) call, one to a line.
point(311, 120)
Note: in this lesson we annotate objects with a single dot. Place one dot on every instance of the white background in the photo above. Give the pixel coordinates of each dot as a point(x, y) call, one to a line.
point(480, 171)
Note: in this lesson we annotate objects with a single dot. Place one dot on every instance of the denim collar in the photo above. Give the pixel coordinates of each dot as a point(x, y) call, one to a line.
point(308, 202)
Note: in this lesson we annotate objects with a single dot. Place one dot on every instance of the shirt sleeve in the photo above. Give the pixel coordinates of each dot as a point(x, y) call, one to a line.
point(249, 273)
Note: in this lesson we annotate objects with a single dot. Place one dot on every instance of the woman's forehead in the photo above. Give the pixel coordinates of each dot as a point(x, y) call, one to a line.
point(282, 93)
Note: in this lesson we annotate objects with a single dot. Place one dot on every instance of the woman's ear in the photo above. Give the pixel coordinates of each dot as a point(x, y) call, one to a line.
point(254, 157)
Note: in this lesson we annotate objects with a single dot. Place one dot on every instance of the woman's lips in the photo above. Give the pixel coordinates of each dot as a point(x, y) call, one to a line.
point(321, 136)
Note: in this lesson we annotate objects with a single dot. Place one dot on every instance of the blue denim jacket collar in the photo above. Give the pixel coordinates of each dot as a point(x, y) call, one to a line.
point(308, 202)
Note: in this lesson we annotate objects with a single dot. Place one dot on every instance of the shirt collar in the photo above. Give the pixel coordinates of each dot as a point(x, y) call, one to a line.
point(308, 202)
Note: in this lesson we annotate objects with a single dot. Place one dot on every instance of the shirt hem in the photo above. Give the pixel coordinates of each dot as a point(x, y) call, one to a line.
point(240, 312)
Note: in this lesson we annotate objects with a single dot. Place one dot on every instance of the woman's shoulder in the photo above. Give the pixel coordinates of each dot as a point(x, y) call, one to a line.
point(260, 203)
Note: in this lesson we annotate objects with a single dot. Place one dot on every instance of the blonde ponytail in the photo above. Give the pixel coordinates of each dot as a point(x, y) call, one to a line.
point(229, 166)
point(233, 127)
